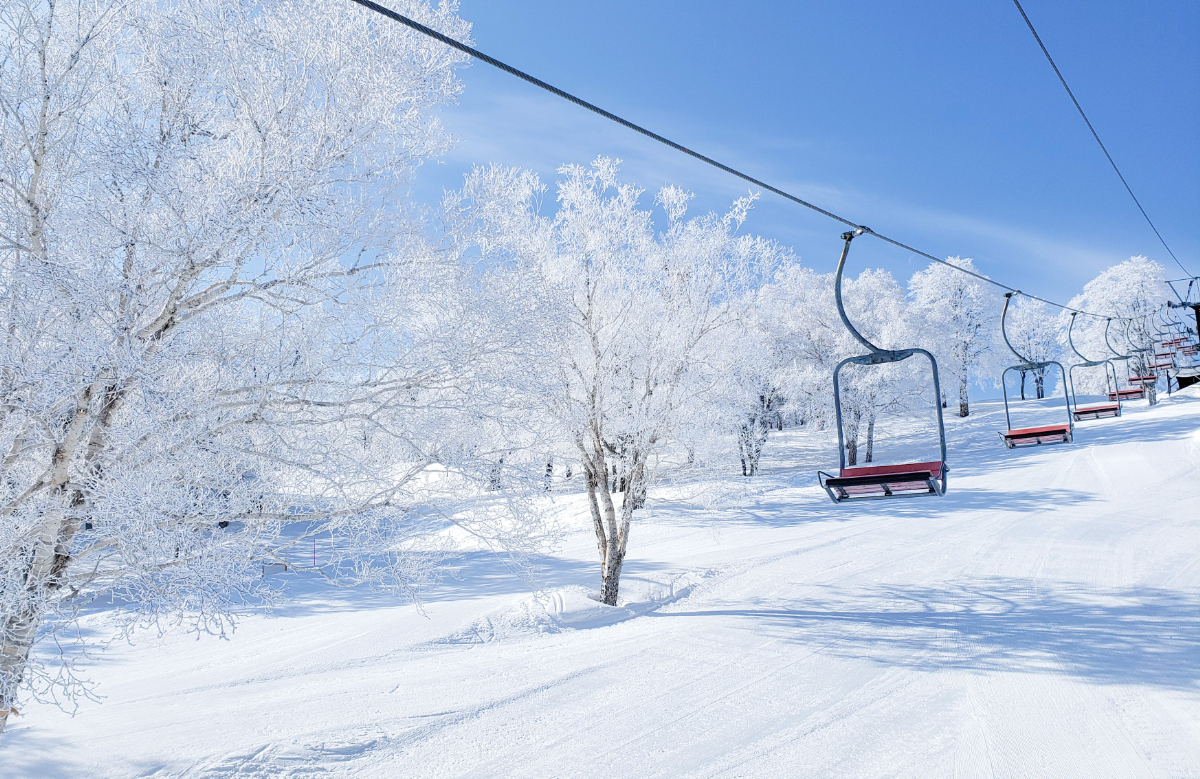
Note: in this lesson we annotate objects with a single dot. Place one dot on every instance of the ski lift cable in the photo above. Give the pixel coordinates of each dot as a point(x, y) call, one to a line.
point(537, 82)
point(1096, 135)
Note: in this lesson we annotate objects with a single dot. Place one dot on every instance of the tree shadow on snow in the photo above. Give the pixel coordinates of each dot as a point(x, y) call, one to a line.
point(1136, 635)
point(478, 574)
point(816, 506)
point(27, 752)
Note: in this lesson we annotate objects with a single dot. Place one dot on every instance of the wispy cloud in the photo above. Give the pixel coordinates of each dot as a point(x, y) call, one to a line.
point(504, 122)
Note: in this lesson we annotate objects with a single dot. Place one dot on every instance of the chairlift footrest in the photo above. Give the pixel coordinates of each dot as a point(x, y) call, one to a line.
point(885, 482)
point(1096, 412)
point(1035, 436)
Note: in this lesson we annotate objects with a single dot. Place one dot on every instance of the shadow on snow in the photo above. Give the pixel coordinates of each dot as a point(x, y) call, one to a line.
point(1137, 635)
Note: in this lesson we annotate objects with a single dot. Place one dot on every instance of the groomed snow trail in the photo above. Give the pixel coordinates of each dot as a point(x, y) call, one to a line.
point(1041, 620)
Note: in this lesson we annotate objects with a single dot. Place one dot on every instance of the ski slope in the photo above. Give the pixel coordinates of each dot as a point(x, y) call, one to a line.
point(1041, 620)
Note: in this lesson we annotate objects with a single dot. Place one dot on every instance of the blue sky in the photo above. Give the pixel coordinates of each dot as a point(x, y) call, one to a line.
point(937, 123)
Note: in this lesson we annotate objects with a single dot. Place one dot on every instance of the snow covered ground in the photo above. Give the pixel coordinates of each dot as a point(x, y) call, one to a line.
point(1043, 619)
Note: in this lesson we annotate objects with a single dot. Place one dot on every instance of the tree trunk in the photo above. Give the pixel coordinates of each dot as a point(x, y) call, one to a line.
point(1039, 382)
point(48, 559)
point(610, 579)
point(870, 438)
point(752, 437)
point(964, 408)
point(852, 439)
point(611, 538)
point(20, 627)
point(1022, 385)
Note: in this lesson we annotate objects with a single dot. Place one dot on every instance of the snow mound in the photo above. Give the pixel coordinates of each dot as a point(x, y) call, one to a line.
point(579, 608)
point(572, 607)
point(525, 619)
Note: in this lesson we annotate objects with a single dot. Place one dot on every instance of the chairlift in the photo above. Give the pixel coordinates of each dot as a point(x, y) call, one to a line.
point(1131, 392)
point(1162, 360)
point(1099, 411)
point(1149, 378)
point(1031, 436)
point(877, 482)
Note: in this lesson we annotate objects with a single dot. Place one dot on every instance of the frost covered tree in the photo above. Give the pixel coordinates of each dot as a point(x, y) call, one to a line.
point(755, 364)
point(629, 317)
point(217, 339)
point(800, 311)
point(797, 313)
point(1034, 333)
point(757, 399)
point(1131, 292)
point(875, 300)
point(961, 321)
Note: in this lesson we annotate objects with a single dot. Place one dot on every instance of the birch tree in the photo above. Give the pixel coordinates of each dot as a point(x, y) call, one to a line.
point(1132, 291)
point(214, 326)
point(800, 311)
point(1034, 333)
point(962, 321)
point(630, 317)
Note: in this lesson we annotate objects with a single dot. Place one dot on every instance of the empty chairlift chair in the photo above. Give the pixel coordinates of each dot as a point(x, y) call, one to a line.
point(1101, 410)
point(1135, 391)
point(1144, 362)
point(875, 482)
point(1031, 436)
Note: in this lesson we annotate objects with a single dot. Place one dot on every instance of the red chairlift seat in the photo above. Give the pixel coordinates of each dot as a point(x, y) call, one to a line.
point(872, 482)
point(1096, 412)
point(1151, 379)
point(1034, 436)
point(1133, 393)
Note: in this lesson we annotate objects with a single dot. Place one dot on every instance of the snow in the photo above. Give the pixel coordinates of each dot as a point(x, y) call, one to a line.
point(1043, 619)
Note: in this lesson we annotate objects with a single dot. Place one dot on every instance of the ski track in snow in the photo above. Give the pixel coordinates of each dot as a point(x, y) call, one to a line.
point(1041, 620)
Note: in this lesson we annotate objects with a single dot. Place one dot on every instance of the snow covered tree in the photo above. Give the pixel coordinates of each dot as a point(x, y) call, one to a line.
point(629, 318)
point(799, 310)
point(754, 367)
point(216, 334)
point(962, 321)
point(1130, 292)
point(1034, 333)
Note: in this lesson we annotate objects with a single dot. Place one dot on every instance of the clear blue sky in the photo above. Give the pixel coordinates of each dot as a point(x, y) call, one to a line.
point(938, 123)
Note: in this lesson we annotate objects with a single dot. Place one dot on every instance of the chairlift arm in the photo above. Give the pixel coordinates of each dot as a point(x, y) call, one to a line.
point(1004, 329)
point(1071, 337)
point(1112, 348)
point(1128, 340)
point(848, 236)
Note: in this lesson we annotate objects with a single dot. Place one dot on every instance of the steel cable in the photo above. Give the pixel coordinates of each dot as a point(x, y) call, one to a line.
point(537, 82)
point(1096, 135)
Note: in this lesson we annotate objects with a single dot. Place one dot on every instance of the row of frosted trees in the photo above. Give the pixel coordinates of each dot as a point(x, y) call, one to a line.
point(228, 331)
point(949, 313)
